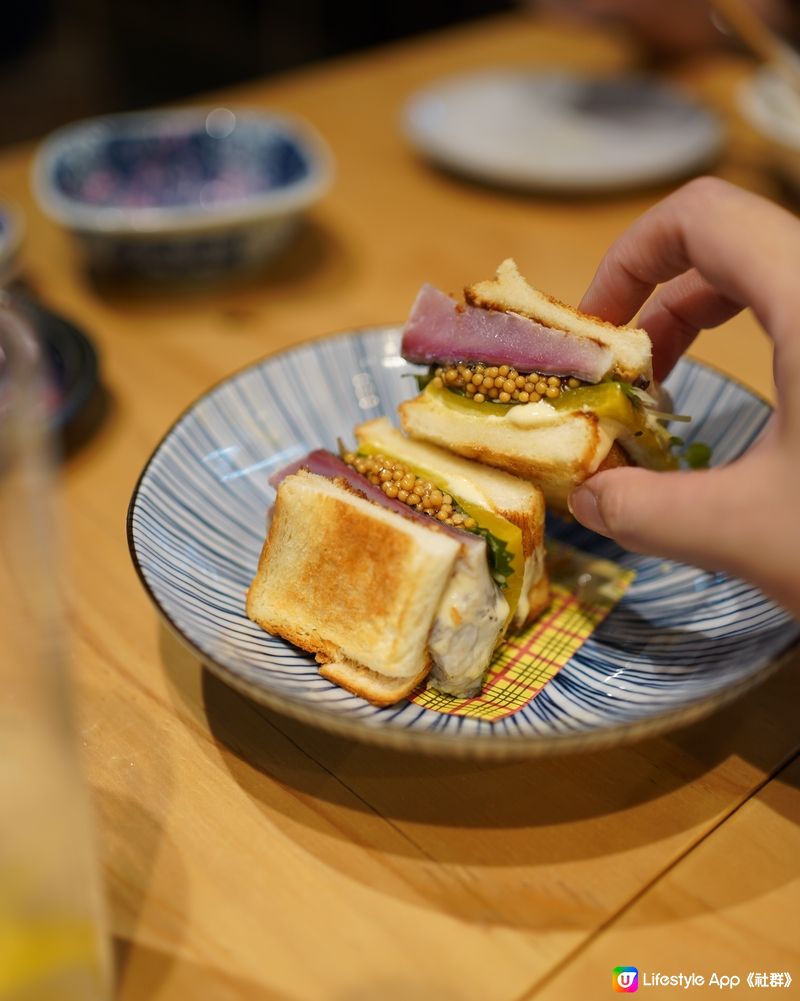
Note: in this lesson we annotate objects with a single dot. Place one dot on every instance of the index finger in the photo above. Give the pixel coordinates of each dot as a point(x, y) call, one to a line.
point(676, 314)
point(734, 239)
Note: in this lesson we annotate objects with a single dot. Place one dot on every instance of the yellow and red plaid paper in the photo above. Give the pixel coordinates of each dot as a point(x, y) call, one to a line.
point(584, 589)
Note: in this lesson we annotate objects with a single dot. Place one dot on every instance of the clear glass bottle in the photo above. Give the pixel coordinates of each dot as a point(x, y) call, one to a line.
point(53, 943)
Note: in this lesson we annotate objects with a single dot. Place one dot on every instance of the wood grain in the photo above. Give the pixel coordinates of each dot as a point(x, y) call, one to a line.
point(248, 856)
point(729, 907)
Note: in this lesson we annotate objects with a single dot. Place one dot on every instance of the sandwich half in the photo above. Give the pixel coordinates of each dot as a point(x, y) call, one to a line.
point(339, 576)
point(386, 594)
point(523, 382)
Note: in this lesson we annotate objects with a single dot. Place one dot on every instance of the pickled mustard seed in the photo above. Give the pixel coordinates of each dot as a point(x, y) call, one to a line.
point(502, 383)
point(399, 483)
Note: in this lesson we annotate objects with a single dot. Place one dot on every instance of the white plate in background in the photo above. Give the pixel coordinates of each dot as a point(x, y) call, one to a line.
point(559, 131)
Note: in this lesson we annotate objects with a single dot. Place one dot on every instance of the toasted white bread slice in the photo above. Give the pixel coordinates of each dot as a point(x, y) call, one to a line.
point(509, 292)
point(556, 452)
point(352, 583)
point(510, 497)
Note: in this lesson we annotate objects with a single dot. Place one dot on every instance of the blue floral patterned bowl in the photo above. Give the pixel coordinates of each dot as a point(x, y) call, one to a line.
point(186, 191)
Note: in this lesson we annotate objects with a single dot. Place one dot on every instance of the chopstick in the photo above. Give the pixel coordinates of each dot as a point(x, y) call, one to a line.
point(760, 38)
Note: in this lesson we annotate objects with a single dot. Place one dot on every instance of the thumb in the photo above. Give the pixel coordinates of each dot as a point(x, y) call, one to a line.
point(693, 517)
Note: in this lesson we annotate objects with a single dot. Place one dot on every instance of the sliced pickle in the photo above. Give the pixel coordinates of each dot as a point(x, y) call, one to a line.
point(607, 399)
point(465, 404)
point(611, 401)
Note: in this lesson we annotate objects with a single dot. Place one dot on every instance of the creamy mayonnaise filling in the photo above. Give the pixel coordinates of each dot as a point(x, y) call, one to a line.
point(533, 415)
point(471, 615)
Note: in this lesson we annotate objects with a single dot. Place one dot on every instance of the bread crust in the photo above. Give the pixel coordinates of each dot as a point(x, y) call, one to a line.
point(616, 457)
point(539, 597)
point(371, 686)
point(489, 295)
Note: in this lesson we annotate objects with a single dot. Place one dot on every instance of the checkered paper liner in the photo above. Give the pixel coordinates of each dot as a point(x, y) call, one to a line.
point(584, 590)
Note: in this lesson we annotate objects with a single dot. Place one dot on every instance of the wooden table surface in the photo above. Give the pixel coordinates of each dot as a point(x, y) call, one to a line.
point(248, 856)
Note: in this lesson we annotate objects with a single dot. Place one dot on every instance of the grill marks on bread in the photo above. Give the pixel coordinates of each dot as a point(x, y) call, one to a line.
point(364, 556)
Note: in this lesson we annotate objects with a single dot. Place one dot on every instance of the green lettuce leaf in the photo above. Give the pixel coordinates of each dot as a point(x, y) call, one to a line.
point(500, 559)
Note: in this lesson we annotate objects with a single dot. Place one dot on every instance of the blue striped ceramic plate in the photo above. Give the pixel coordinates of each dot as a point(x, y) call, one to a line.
point(681, 643)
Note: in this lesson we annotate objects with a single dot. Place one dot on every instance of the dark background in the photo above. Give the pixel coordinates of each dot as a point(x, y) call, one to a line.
point(66, 59)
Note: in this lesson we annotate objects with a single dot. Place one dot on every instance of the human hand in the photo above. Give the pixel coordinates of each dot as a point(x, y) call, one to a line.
point(678, 27)
point(714, 250)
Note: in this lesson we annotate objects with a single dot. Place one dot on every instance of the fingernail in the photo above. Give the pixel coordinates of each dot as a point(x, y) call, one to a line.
point(582, 504)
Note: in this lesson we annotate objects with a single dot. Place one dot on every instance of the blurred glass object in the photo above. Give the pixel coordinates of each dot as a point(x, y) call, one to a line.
point(770, 103)
point(52, 939)
point(10, 240)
